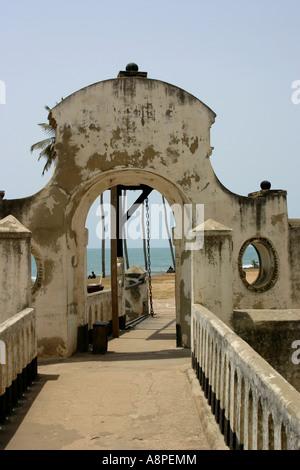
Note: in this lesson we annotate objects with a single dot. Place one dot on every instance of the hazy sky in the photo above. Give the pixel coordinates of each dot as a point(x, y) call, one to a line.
point(239, 57)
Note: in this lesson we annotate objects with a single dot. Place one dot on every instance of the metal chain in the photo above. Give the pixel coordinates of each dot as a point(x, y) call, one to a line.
point(148, 256)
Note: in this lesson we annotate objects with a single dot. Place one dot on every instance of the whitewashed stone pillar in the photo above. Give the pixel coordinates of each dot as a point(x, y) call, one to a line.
point(212, 269)
point(15, 272)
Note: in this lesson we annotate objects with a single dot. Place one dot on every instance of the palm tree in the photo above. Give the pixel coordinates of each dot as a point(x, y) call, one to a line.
point(46, 146)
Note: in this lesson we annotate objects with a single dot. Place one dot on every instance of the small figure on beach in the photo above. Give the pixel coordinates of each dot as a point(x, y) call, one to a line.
point(171, 270)
point(92, 276)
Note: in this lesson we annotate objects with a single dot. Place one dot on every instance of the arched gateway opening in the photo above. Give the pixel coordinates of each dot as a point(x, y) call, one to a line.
point(128, 179)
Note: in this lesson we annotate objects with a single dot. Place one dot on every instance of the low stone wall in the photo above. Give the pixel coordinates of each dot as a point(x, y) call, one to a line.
point(98, 307)
point(256, 408)
point(18, 359)
point(275, 335)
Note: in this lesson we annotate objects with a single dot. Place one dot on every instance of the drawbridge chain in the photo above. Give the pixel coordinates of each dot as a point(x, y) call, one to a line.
point(148, 256)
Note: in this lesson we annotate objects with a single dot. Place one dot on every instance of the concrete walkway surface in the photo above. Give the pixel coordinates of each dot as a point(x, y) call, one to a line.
point(141, 395)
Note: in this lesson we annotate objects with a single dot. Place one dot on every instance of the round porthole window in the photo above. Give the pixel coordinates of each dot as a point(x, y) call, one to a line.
point(36, 271)
point(259, 255)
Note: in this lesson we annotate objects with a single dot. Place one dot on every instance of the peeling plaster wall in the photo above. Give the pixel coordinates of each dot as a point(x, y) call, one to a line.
point(15, 282)
point(212, 273)
point(272, 334)
point(131, 123)
point(294, 256)
point(263, 216)
point(132, 131)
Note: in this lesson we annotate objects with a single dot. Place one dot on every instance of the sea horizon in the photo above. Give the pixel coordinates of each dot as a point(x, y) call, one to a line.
point(160, 258)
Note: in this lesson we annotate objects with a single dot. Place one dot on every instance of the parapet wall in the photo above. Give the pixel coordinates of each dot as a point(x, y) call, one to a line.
point(18, 367)
point(275, 335)
point(18, 344)
point(293, 259)
point(256, 408)
point(15, 272)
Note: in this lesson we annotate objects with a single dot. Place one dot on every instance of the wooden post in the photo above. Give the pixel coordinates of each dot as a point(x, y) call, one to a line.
point(119, 223)
point(168, 232)
point(103, 235)
point(124, 233)
point(113, 261)
point(144, 236)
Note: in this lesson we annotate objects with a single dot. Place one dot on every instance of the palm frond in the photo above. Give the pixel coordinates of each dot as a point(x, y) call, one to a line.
point(49, 161)
point(46, 153)
point(42, 144)
point(45, 147)
point(47, 128)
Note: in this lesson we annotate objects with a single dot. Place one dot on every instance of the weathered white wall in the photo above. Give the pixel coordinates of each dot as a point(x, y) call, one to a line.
point(15, 256)
point(18, 346)
point(136, 297)
point(127, 131)
point(212, 278)
point(293, 259)
point(99, 307)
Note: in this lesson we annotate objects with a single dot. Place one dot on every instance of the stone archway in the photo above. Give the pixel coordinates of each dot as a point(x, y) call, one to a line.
point(125, 130)
point(175, 197)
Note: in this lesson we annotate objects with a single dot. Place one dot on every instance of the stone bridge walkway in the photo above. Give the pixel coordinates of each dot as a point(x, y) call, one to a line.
point(140, 395)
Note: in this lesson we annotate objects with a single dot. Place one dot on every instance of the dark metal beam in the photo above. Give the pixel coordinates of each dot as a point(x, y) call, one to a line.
point(136, 187)
point(113, 263)
point(119, 223)
point(121, 218)
point(146, 191)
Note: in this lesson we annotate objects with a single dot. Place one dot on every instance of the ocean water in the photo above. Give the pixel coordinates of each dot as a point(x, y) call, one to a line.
point(249, 256)
point(161, 260)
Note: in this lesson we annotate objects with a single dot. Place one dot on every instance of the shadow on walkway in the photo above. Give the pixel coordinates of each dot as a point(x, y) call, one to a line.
point(12, 423)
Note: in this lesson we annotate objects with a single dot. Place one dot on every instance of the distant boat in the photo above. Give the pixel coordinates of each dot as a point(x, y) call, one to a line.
point(95, 287)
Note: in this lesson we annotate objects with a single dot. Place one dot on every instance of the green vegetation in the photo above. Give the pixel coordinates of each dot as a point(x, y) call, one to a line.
point(45, 147)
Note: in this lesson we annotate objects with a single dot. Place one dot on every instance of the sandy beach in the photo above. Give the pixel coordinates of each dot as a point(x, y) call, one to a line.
point(163, 285)
point(251, 274)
